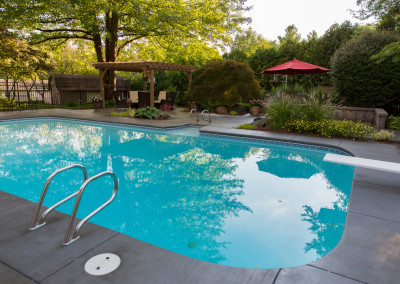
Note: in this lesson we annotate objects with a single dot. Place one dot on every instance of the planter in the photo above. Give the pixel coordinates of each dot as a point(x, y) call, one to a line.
point(255, 110)
point(98, 105)
point(221, 110)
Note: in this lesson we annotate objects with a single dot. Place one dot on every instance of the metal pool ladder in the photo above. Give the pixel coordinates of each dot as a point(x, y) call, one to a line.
point(203, 113)
point(75, 236)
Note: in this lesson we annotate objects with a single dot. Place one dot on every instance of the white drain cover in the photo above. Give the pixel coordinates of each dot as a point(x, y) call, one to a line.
point(102, 264)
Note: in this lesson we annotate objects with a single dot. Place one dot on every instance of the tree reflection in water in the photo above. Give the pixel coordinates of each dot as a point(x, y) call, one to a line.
point(176, 192)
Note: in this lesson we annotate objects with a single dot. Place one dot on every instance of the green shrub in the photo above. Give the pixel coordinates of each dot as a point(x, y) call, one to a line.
point(333, 128)
point(72, 104)
point(384, 135)
point(148, 112)
point(232, 112)
point(110, 103)
point(362, 81)
point(247, 105)
point(393, 122)
point(247, 126)
point(224, 83)
point(120, 114)
point(6, 104)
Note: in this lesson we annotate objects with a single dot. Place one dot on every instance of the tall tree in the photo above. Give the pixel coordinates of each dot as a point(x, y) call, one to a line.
point(289, 43)
point(112, 25)
point(386, 12)
point(246, 43)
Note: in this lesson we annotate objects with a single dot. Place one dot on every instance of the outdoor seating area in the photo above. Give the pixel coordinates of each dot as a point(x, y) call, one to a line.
point(141, 99)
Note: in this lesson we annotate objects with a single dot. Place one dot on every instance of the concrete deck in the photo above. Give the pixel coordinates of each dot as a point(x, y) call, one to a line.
point(369, 251)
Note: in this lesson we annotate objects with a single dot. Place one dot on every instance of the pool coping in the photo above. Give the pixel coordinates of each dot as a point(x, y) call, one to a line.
point(356, 258)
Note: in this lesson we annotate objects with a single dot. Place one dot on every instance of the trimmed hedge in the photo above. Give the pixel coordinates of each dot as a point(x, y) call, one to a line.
point(362, 81)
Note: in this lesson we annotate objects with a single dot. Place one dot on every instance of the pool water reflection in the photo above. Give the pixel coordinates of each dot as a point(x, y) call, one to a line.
point(226, 201)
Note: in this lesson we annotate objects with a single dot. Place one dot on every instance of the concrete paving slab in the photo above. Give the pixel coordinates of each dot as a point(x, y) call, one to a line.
point(8, 275)
point(9, 202)
point(370, 150)
point(310, 275)
point(145, 263)
point(376, 201)
point(376, 177)
point(368, 252)
point(39, 253)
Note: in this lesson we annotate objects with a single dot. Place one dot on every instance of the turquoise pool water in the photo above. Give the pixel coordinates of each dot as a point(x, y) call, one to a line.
point(227, 201)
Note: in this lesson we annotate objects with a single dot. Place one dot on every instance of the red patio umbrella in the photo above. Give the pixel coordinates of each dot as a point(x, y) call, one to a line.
point(295, 67)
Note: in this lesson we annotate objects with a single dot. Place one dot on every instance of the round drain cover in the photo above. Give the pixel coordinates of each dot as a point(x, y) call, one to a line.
point(102, 264)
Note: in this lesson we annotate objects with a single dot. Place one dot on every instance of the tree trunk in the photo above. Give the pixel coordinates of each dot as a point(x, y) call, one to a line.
point(111, 52)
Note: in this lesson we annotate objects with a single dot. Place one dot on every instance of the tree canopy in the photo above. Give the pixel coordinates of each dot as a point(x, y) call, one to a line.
point(387, 12)
point(18, 59)
point(112, 25)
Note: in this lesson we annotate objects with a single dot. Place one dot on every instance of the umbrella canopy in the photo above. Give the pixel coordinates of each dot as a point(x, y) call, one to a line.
point(295, 67)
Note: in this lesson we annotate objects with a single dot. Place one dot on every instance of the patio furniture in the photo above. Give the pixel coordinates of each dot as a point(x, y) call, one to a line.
point(169, 104)
point(120, 102)
point(144, 99)
point(162, 95)
point(134, 99)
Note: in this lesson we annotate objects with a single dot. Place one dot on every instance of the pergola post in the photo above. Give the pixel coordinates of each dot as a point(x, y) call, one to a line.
point(190, 81)
point(151, 87)
point(189, 78)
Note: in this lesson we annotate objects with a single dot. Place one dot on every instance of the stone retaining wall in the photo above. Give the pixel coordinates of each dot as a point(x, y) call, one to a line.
point(375, 116)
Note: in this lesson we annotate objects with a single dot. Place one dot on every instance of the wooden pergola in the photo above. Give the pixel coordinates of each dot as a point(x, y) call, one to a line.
point(147, 68)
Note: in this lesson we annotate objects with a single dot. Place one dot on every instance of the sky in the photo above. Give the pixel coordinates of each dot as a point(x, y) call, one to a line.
point(271, 17)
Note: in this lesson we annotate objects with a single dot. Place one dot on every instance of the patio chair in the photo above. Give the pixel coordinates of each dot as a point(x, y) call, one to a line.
point(162, 95)
point(119, 101)
point(134, 98)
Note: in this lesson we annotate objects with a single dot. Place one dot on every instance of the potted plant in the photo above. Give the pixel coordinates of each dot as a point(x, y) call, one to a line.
point(97, 103)
point(255, 106)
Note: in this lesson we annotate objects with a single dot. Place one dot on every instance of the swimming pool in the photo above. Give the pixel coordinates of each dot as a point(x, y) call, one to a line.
point(234, 202)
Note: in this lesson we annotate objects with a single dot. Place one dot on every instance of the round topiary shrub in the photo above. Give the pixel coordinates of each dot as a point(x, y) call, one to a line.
point(224, 83)
point(362, 81)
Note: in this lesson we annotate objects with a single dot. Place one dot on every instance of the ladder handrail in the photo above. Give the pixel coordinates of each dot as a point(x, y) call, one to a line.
point(69, 239)
point(34, 224)
point(209, 115)
point(191, 112)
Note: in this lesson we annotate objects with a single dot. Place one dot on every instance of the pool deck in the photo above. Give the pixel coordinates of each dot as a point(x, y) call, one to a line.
point(369, 251)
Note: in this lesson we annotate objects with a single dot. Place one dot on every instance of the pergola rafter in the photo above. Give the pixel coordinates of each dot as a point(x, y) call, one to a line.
point(145, 67)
